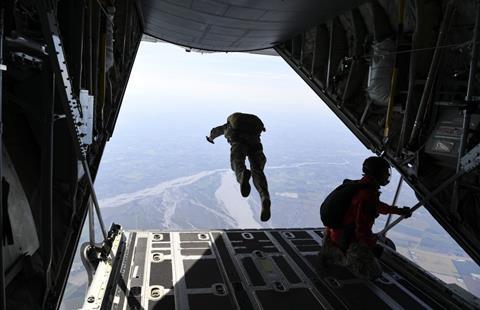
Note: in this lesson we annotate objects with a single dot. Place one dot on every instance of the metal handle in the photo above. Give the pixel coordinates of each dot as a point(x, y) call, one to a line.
point(426, 199)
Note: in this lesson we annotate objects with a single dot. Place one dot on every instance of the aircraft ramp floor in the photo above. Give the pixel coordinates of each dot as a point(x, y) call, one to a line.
point(253, 269)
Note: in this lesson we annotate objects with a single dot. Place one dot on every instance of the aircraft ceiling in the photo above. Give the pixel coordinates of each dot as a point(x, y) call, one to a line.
point(235, 25)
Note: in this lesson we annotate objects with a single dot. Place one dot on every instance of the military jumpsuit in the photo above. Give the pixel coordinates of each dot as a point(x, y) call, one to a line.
point(245, 145)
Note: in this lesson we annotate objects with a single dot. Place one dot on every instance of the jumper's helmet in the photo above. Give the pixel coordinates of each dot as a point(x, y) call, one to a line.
point(377, 168)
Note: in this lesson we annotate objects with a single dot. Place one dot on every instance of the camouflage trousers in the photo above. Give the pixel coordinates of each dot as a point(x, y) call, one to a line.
point(358, 258)
point(238, 153)
point(362, 262)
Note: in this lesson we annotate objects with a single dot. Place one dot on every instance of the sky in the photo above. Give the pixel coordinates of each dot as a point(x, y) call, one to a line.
point(174, 98)
point(247, 80)
point(186, 90)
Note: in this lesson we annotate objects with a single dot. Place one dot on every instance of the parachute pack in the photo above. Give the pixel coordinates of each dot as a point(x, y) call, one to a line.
point(335, 206)
point(246, 123)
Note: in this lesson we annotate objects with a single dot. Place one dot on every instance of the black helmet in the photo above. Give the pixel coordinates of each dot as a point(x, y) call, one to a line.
point(377, 168)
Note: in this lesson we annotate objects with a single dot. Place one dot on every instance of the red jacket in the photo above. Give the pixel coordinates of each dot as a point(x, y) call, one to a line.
point(364, 208)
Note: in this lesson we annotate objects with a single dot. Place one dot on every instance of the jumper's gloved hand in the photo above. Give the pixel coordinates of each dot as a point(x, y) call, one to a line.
point(406, 212)
point(209, 140)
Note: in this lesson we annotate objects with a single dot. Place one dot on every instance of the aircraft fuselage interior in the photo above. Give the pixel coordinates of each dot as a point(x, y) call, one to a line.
point(402, 76)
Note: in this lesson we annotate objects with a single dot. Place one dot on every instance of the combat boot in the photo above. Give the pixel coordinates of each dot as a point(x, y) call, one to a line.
point(265, 214)
point(245, 183)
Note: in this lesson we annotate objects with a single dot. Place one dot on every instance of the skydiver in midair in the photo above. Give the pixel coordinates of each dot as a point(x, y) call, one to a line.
point(243, 131)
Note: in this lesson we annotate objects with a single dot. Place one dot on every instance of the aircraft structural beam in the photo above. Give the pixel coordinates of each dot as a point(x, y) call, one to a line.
point(71, 104)
point(467, 112)
point(422, 202)
point(2, 267)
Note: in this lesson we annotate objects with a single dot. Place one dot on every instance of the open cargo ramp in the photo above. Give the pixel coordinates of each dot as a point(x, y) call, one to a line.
point(253, 269)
